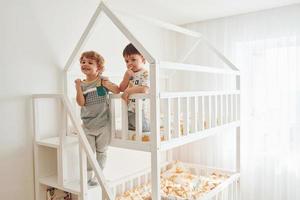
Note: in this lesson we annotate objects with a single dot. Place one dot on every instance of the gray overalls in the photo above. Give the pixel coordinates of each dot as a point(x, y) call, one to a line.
point(95, 118)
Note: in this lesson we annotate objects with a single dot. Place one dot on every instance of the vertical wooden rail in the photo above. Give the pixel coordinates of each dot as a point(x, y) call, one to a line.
point(167, 126)
point(239, 107)
point(83, 173)
point(225, 193)
point(130, 184)
point(217, 109)
point(35, 146)
point(236, 107)
point(229, 107)
point(62, 168)
point(177, 121)
point(139, 181)
point(221, 110)
point(231, 191)
point(155, 130)
point(206, 111)
point(201, 113)
point(138, 119)
point(194, 114)
point(214, 116)
point(209, 112)
point(235, 190)
point(238, 142)
point(186, 120)
point(232, 107)
point(113, 117)
point(226, 108)
point(124, 120)
point(167, 118)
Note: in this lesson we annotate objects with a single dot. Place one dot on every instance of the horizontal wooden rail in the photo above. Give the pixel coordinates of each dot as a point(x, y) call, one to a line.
point(196, 68)
point(133, 96)
point(165, 95)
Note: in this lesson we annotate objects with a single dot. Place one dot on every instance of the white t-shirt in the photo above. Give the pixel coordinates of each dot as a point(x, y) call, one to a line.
point(140, 78)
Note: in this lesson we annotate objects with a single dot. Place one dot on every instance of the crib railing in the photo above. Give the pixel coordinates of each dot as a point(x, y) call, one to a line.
point(193, 112)
point(181, 114)
point(227, 190)
point(139, 98)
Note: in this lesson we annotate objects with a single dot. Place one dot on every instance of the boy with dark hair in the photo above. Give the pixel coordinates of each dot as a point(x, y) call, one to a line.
point(135, 80)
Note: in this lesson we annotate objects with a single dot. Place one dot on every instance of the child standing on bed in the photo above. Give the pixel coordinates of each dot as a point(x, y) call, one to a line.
point(135, 80)
point(92, 96)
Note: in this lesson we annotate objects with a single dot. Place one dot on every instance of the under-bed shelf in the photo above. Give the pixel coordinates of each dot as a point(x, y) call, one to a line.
point(72, 186)
point(53, 142)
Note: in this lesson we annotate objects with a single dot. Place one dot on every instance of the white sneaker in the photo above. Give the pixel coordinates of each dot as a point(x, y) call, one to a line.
point(93, 182)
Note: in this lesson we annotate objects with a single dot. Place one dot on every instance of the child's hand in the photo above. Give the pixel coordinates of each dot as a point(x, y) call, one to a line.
point(77, 83)
point(129, 74)
point(125, 96)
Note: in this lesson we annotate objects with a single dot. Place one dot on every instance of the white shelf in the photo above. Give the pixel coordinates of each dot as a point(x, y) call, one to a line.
point(53, 142)
point(52, 181)
point(72, 187)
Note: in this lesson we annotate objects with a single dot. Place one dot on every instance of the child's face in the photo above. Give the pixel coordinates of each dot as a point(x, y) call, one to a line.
point(134, 62)
point(89, 66)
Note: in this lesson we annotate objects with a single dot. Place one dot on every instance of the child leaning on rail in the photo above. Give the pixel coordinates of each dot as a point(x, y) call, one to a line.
point(135, 80)
point(92, 96)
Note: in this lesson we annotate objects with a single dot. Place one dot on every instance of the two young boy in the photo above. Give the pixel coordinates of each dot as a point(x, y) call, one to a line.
point(92, 96)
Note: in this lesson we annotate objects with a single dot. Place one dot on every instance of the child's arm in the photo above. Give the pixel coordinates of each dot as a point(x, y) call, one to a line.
point(79, 94)
point(123, 85)
point(137, 89)
point(133, 90)
point(111, 86)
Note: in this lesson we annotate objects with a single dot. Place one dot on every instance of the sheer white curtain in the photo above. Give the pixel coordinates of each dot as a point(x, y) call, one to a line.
point(266, 47)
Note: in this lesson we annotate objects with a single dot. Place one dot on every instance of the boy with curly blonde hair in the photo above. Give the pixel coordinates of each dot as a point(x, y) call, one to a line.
point(92, 96)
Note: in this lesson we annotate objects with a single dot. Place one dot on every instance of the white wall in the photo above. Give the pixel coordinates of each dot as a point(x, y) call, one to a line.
point(36, 38)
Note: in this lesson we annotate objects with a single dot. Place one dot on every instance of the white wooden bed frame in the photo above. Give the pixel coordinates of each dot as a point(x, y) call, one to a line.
point(205, 113)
